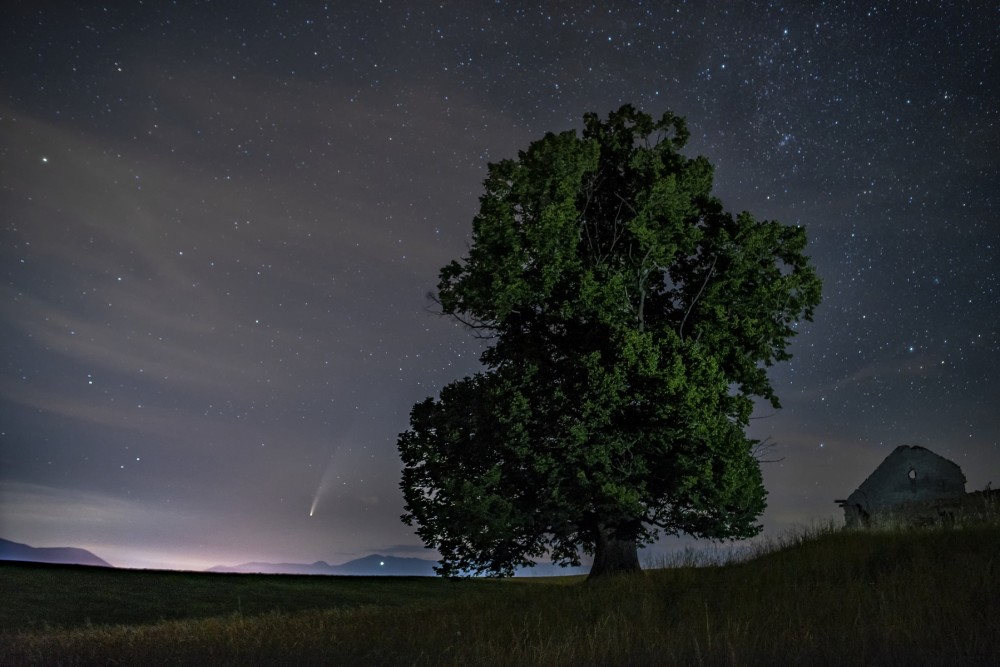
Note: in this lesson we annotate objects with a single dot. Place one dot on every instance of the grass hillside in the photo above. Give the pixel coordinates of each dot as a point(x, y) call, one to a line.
point(921, 597)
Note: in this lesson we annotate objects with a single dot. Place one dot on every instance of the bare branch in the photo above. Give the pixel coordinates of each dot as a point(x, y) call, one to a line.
point(641, 279)
point(626, 202)
point(763, 446)
point(711, 270)
point(479, 329)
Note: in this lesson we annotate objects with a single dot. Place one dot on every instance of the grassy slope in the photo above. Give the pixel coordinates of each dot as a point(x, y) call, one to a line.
point(63, 596)
point(887, 598)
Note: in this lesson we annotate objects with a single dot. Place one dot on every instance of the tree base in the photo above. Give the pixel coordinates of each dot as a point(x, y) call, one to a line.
point(614, 556)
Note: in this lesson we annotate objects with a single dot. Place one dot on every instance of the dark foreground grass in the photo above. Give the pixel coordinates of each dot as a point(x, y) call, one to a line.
point(38, 596)
point(929, 597)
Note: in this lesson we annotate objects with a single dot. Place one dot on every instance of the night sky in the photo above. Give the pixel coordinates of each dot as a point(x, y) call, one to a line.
point(221, 221)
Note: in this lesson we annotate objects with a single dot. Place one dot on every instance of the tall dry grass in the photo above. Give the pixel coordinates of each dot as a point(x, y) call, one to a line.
point(820, 597)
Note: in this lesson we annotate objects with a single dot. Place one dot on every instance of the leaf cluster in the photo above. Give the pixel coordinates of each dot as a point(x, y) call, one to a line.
point(633, 320)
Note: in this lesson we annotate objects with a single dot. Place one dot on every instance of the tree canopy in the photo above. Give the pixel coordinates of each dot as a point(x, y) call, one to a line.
point(631, 321)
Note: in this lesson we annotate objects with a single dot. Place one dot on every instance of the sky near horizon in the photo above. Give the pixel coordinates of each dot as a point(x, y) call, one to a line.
point(221, 221)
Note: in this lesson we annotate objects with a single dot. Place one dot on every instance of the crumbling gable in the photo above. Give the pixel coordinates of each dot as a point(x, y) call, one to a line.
point(907, 482)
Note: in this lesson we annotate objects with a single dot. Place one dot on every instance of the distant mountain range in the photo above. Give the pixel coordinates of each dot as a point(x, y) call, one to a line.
point(368, 566)
point(373, 566)
point(62, 555)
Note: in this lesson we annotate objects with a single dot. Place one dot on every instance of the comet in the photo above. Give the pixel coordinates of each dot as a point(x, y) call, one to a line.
point(324, 483)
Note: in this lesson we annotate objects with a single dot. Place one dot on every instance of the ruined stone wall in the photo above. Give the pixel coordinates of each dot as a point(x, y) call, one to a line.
point(969, 508)
point(910, 477)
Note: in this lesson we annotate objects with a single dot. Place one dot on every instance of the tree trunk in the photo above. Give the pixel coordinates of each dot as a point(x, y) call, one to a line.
point(613, 555)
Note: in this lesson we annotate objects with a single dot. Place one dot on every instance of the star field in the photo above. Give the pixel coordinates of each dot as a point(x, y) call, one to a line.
point(220, 222)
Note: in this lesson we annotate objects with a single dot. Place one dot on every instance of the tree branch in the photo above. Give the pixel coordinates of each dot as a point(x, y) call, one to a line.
point(641, 276)
point(762, 447)
point(476, 326)
point(711, 270)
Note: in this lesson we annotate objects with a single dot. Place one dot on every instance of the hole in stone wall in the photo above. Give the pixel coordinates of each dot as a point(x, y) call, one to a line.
point(913, 473)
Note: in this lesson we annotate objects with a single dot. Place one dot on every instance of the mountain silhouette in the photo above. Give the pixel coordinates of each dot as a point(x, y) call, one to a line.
point(375, 565)
point(62, 555)
point(368, 566)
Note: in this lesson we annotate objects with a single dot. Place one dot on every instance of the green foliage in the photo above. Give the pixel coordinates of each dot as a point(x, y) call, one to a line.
point(633, 321)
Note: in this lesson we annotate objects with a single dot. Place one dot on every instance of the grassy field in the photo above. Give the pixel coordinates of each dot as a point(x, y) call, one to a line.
point(832, 597)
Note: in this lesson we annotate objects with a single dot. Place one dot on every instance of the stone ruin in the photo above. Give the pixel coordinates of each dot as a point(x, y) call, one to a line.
point(915, 487)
